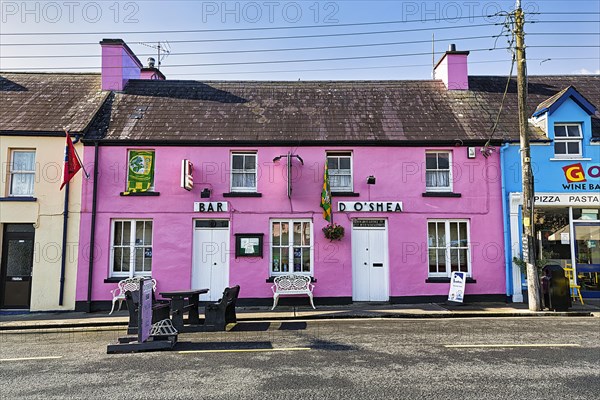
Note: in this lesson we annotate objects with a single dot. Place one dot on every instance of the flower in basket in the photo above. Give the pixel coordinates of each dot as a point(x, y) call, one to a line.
point(334, 231)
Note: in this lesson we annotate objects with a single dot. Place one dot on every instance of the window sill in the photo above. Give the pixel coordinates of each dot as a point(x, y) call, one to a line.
point(18, 198)
point(441, 194)
point(571, 159)
point(242, 194)
point(117, 279)
point(446, 280)
point(140, 194)
point(272, 278)
point(344, 194)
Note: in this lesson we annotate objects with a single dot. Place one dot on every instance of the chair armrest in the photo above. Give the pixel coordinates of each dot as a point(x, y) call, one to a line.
point(114, 292)
point(311, 287)
point(274, 288)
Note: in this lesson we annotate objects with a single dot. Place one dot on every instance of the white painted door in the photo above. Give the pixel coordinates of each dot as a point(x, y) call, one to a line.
point(211, 258)
point(369, 261)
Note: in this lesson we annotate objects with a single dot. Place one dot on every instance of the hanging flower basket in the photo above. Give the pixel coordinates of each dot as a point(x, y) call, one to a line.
point(334, 232)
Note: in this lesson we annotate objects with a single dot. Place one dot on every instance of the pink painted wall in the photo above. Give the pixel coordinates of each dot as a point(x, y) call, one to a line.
point(400, 177)
point(453, 71)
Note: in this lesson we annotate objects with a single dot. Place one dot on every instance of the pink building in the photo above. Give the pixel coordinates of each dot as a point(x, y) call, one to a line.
point(414, 193)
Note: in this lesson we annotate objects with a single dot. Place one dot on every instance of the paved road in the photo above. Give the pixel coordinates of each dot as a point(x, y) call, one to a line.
point(353, 359)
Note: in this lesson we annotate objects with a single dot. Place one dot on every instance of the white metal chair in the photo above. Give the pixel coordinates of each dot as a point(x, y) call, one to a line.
point(131, 284)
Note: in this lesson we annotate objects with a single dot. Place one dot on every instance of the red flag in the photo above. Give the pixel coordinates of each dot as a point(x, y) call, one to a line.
point(72, 164)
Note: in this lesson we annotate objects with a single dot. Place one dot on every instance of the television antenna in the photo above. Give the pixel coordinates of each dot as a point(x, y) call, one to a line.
point(163, 49)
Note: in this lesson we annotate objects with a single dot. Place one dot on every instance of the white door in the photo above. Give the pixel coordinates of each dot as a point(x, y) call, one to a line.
point(211, 258)
point(369, 261)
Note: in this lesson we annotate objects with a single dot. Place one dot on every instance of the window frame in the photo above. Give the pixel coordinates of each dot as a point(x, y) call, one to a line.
point(448, 247)
point(291, 246)
point(132, 247)
point(241, 189)
point(12, 173)
point(568, 139)
point(339, 155)
point(438, 189)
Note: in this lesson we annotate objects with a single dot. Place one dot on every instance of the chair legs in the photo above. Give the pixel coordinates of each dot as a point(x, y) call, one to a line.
point(310, 296)
point(275, 300)
point(576, 293)
point(113, 305)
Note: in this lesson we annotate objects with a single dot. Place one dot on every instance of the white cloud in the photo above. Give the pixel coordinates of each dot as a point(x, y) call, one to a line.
point(585, 71)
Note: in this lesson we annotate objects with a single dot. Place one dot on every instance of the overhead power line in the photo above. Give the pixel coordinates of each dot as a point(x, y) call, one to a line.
point(300, 48)
point(365, 68)
point(267, 62)
point(272, 37)
point(267, 28)
point(273, 50)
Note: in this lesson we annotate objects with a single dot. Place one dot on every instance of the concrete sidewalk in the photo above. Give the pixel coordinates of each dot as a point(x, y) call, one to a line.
point(61, 320)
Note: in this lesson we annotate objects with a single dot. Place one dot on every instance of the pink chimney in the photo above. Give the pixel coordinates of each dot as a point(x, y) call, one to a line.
point(452, 69)
point(120, 64)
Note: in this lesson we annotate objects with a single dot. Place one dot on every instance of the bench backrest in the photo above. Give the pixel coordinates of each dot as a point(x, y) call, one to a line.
point(291, 282)
point(132, 284)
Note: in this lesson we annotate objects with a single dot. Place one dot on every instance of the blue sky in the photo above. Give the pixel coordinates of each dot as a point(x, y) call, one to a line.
point(228, 29)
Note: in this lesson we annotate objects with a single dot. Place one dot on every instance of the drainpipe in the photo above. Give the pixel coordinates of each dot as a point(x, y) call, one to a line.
point(506, 219)
point(93, 229)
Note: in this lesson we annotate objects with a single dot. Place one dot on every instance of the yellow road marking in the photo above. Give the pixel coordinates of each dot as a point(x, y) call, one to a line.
point(245, 350)
point(463, 346)
point(30, 358)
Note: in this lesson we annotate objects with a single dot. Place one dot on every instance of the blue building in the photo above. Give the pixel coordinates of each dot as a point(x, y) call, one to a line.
point(565, 155)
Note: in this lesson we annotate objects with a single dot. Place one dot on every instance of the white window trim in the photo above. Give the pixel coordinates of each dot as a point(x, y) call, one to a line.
point(338, 154)
point(291, 246)
point(448, 272)
point(132, 271)
point(13, 172)
point(569, 139)
point(243, 189)
point(449, 188)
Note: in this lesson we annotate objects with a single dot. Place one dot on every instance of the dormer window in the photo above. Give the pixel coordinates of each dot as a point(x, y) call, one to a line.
point(567, 140)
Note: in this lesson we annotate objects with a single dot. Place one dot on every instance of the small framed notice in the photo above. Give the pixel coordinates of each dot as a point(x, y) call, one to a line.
point(249, 245)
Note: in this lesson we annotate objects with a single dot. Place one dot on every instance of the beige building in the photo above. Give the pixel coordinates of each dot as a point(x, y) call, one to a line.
point(34, 110)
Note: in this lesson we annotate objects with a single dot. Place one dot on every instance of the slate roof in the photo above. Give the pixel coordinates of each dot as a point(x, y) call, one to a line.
point(229, 112)
point(45, 103)
point(322, 111)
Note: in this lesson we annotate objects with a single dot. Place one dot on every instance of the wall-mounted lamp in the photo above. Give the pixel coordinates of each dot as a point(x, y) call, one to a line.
point(371, 180)
point(205, 194)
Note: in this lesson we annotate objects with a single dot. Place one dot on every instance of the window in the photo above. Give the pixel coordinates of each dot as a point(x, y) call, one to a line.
point(243, 172)
point(131, 250)
point(567, 140)
point(438, 175)
point(291, 247)
point(22, 172)
point(140, 171)
point(340, 171)
point(448, 245)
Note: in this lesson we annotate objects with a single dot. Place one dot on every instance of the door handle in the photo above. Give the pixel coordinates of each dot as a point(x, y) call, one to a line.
point(377, 264)
point(365, 263)
point(215, 264)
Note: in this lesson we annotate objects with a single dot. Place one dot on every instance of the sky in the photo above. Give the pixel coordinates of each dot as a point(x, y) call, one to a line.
point(301, 39)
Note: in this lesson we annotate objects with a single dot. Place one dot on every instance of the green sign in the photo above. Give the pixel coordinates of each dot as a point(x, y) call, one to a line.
point(140, 171)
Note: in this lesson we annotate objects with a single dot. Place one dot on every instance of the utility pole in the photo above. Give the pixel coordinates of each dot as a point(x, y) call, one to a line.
point(533, 283)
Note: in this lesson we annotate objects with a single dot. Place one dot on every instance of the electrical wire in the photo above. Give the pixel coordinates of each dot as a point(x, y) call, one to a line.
point(300, 48)
point(262, 62)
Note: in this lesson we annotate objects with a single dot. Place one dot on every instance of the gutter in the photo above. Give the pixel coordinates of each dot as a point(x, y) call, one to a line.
point(506, 220)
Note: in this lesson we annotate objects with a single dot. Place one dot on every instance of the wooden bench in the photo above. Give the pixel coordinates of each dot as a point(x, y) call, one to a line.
point(218, 315)
point(160, 310)
point(292, 285)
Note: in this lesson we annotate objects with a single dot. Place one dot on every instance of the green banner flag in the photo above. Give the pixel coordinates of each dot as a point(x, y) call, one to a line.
point(326, 195)
point(140, 171)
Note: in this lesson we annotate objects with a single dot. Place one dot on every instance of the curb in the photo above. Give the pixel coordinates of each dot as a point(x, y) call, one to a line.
point(68, 327)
